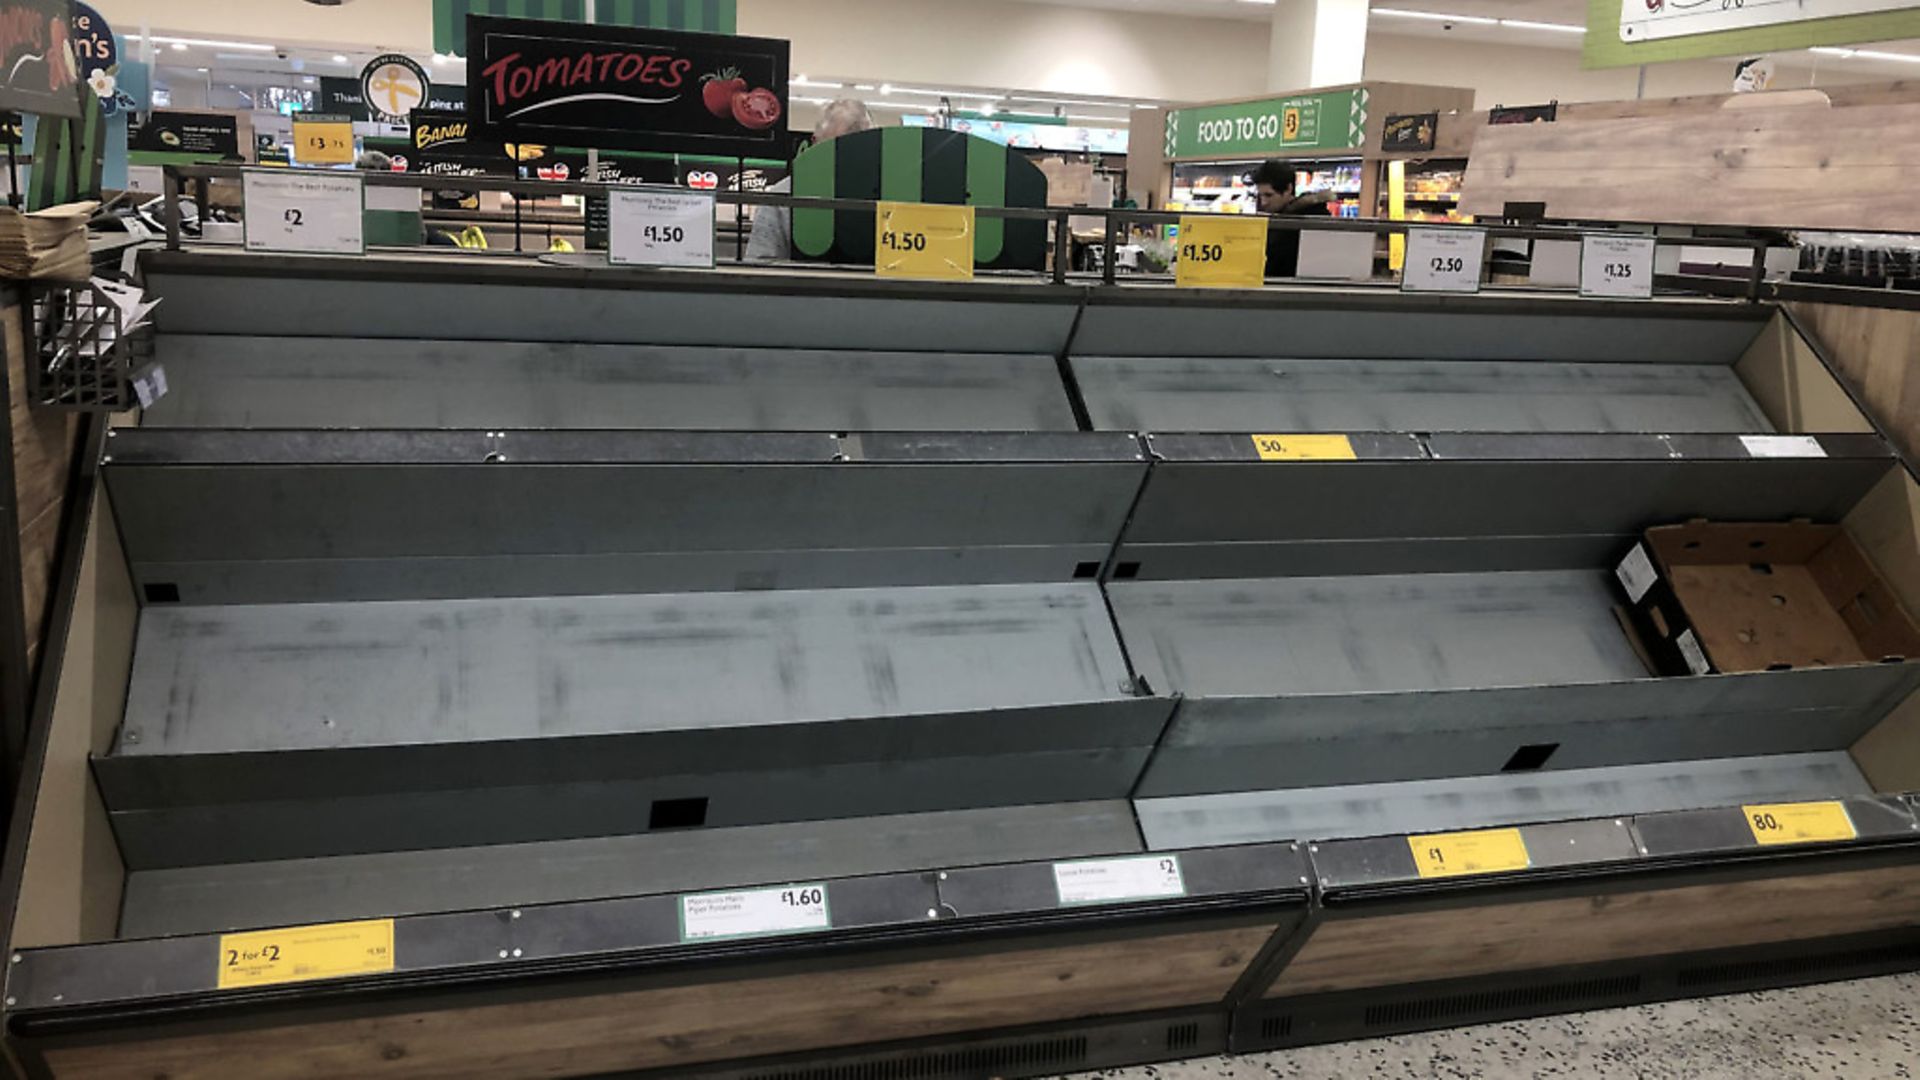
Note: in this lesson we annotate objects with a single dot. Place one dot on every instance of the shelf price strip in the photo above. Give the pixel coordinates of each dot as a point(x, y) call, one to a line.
point(923, 241)
point(744, 913)
point(1464, 854)
point(303, 953)
point(1103, 881)
point(1304, 448)
point(1799, 823)
point(1221, 251)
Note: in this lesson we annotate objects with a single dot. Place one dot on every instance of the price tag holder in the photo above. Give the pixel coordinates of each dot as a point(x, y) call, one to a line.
point(1463, 854)
point(1221, 251)
point(1799, 823)
point(924, 241)
point(1620, 267)
point(1444, 260)
point(660, 227)
point(311, 213)
point(1105, 881)
point(723, 916)
point(319, 139)
point(303, 953)
point(1304, 448)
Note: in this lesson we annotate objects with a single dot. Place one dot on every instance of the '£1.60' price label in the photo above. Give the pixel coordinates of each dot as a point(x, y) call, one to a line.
point(743, 913)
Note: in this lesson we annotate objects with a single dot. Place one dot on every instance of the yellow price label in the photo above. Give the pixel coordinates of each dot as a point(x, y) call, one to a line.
point(921, 240)
point(1484, 851)
point(323, 141)
point(1799, 823)
point(1304, 448)
point(1219, 251)
point(300, 953)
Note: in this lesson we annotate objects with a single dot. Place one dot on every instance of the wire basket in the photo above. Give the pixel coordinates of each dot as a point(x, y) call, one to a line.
point(81, 359)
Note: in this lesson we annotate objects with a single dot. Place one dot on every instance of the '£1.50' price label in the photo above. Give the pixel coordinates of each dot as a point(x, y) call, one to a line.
point(660, 227)
point(1221, 251)
point(922, 240)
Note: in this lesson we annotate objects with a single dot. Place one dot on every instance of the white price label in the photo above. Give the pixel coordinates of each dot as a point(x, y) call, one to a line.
point(1772, 446)
point(1617, 266)
point(1096, 881)
point(309, 212)
point(660, 227)
point(754, 912)
point(151, 386)
point(1636, 573)
point(1444, 260)
point(1696, 657)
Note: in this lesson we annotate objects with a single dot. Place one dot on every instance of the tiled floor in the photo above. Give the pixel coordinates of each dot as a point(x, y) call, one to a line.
point(1868, 1029)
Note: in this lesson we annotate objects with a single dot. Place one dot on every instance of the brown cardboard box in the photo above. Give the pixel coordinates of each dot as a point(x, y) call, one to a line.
point(1729, 597)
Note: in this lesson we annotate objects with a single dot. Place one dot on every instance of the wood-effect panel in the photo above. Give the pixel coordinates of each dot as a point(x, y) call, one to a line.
point(684, 1026)
point(1877, 351)
point(1460, 942)
point(45, 443)
point(1713, 166)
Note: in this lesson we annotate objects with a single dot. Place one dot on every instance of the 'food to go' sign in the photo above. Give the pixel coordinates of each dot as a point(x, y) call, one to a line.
point(1336, 120)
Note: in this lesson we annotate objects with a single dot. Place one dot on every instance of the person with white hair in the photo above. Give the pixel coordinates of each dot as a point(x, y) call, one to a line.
point(772, 239)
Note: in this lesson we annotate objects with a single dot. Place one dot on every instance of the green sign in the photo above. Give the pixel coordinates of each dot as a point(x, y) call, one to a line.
point(711, 16)
point(1335, 120)
point(1604, 48)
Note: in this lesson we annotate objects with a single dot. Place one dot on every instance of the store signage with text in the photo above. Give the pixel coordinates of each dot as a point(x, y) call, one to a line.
point(1221, 251)
point(312, 213)
point(1412, 132)
point(40, 73)
point(1653, 20)
point(921, 240)
point(660, 227)
point(639, 89)
point(1335, 120)
point(1617, 266)
point(322, 139)
point(1444, 260)
point(344, 96)
point(205, 136)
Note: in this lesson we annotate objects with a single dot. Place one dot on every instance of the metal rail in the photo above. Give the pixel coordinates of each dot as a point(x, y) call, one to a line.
point(1115, 222)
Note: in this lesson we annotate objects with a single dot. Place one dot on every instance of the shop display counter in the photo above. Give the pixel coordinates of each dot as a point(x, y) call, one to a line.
point(926, 680)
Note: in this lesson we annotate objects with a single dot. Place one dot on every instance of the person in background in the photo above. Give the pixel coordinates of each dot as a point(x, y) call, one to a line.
point(772, 239)
point(1273, 184)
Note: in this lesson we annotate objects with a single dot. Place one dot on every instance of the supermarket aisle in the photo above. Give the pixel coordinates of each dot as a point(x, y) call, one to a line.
point(1869, 1029)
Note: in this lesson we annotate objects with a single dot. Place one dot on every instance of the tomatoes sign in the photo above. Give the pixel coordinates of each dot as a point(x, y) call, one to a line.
point(626, 87)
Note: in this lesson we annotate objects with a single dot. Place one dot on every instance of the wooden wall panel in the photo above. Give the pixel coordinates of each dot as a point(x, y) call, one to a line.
point(1421, 946)
point(1876, 350)
point(44, 444)
point(1802, 166)
point(665, 1028)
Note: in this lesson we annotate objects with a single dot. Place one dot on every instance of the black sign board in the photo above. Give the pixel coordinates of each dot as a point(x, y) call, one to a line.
point(631, 88)
point(439, 143)
point(38, 70)
point(343, 96)
point(1410, 132)
point(206, 135)
point(1524, 114)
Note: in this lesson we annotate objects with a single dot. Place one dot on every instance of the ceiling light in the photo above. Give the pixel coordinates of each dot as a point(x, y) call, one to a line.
point(1870, 54)
point(865, 86)
point(439, 58)
point(1434, 16)
point(1825, 51)
point(339, 59)
point(1528, 24)
point(886, 88)
point(179, 46)
point(250, 46)
point(802, 80)
point(1095, 119)
point(202, 71)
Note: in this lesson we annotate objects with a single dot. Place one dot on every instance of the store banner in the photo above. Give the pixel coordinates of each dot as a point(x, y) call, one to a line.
point(192, 135)
point(1333, 120)
point(438, 144)
point(339, 95)
point(708, 16)
point(38, 70)
point(608, 86)
point(1411, 132)
point(1627, 33)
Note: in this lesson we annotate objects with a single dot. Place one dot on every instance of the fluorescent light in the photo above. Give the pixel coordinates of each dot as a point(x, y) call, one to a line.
point(1096, 119)
point(865, 86)
point(1434, 16)
point(1068, 101)
point(886, 88)
point(802, 80)
point(1870, 54)
point(1825, 51)
point(179, 46)
point(439, 58)
point(987, 109)
point(1528, 24)
point(339, 59)
point(813, 100)
point(250, 46)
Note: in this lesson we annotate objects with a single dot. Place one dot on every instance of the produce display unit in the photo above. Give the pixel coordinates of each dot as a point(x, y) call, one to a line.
point(488, 669)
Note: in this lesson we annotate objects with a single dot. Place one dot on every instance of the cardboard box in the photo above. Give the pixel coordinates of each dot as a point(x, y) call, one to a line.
point(1730, 597)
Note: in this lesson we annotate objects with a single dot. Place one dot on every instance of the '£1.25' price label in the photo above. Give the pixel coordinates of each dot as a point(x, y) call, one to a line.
point(1617, 266)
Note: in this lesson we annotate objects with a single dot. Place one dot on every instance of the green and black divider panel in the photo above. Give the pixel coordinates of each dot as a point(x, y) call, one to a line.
point(924, 165)
point(708, 16)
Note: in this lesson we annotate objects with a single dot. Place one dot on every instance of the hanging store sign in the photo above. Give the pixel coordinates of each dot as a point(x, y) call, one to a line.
point(1335, 120)
point(542, 82)
point(1654, 20)
point(38, 70)
point(205, 136)
point(343, 96)
point(1411, 132)
point(392, 86)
